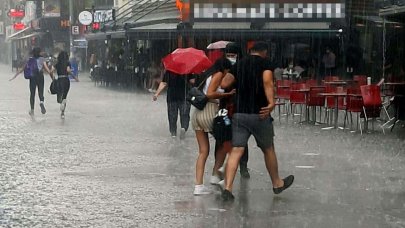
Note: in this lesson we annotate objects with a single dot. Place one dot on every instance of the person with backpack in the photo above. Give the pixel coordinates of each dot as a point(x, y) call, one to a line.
point(34, 71)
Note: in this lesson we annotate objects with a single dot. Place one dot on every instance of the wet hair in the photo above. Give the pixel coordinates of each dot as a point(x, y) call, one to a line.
point(36, 52)
point(221, 65)
point(232, 48)
point(260, 46)
point(63, 61)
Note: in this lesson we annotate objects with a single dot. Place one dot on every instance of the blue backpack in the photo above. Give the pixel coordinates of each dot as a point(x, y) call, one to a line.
point(31, 68)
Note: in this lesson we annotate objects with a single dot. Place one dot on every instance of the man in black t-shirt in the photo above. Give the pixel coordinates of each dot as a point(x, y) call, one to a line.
point(176, 101)
point(253, 105)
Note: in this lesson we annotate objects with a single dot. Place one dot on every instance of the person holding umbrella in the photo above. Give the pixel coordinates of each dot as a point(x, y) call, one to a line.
point(177, 86)
point(179, 65)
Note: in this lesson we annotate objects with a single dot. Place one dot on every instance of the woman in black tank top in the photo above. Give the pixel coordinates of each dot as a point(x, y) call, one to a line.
point(63, 70)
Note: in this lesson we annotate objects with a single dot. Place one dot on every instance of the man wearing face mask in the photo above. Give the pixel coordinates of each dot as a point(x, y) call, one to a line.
point(233, 54)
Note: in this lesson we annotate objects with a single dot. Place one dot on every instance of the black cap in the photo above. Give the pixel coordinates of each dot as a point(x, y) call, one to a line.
point(232, 48)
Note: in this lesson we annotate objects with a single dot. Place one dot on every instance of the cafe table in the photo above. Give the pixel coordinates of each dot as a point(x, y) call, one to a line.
point(336, 96)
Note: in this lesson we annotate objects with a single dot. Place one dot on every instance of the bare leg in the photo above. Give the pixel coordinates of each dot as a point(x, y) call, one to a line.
point(270, 159)
point(232, 166)
point(220, 156)
point(204, 147)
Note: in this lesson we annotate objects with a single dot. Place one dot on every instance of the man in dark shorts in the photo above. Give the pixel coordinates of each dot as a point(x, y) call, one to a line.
point(253, 105)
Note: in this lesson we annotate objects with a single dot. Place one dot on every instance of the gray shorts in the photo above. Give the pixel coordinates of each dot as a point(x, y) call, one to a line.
point(245, 125)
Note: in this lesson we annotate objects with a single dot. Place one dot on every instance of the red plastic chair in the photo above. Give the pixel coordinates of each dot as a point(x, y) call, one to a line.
point(372, 101)
point(282, 92)
point(297, 98)
point(331, 101)
point(311, 82)
point(354, 103)
point(282, 95)
point(360, 79)
point(315, 100)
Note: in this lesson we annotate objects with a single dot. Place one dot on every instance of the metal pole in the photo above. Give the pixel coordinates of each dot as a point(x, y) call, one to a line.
point(384, 47)
point(70, 27)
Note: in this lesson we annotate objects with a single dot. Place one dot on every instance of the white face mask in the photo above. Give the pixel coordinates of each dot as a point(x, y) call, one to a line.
point(232, 60)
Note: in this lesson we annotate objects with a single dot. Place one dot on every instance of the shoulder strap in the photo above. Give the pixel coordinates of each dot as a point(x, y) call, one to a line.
point(206, 74)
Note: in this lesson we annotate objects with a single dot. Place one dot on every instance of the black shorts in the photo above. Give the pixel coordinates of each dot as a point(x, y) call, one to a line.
point(245, 125)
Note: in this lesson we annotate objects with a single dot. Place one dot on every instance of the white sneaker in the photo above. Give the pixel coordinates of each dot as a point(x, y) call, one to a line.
point(222, 170)
point(222, 184)
point(201, 190)
point(31, 112)
point(215, 179)
point(63, 105)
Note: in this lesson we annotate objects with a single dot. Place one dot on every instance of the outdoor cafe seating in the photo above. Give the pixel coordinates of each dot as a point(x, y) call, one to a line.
point(334, 95)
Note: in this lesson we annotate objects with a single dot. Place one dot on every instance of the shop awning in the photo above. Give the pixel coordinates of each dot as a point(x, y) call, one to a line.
point(119, 34)
point(35, 34)
point(396, 13)
point(19, 33)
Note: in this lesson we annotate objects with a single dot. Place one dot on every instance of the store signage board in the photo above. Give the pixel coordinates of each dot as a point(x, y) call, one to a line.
point(75, 30)
point(51, 8)
point(103, 16)
point(267, 10)
point(85, 18)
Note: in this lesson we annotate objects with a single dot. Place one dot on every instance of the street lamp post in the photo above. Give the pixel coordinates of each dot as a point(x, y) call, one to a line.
point(70, 27)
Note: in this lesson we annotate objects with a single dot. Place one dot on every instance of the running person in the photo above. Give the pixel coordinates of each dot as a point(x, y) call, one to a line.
point(37, 80)
point(63, 69)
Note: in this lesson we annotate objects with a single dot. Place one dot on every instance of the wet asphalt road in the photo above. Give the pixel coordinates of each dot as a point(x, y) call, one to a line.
point(112, 163)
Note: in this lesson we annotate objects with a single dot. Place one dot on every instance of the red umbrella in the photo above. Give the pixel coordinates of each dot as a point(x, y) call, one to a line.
point(215, 54)
point(186, 61)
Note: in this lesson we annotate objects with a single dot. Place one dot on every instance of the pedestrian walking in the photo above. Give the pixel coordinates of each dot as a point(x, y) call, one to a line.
point(177, 87)
point(202, 120)
point(37, 79)
point(253, 106)
point(63, 69)
point(329, 62)
point(233, 54)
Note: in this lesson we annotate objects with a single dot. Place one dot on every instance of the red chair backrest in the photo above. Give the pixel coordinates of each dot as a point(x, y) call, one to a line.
point(359, 77)
point(371, 95)
point(297, 97)
point(314, 98)
point(331, 78)
point(283, 93)
point(311, 82)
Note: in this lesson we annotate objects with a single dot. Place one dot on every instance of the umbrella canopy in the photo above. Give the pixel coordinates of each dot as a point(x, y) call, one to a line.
point(215, 54)
point(186, 61)
point(218, 45)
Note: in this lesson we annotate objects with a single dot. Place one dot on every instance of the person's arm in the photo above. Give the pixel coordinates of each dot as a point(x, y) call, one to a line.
point(50, 72)
point(269, 91)
point(162, 86)
point(228, 81)
point(213, 87)
point(18, 73)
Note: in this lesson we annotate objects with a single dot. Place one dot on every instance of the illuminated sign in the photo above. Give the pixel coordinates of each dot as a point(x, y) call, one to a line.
point(282, 10)
point(18, 26)
point(16, 13)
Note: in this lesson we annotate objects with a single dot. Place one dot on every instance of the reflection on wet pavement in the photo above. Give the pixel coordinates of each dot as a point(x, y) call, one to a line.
point(111, 163)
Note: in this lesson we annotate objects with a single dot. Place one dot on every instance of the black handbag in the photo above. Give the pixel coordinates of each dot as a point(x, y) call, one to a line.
point(53, 88)
point(222, 129)
point(196, 97)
